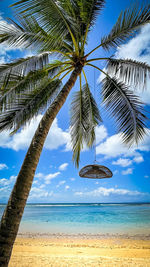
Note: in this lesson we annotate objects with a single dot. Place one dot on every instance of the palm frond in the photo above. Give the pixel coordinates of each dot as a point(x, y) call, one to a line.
point(28, 105)
point(126, 108)
point(93, 117)
point(50, 15)
point(129, 71)
point(84, 12)
point(128, 22)
point(8, 80)
point(29, 33)
point(39, 38)
point(56, 65)
point(13, 90)
point(89, 10)
point(17, 36)
point(23, 66)
point(84, 118)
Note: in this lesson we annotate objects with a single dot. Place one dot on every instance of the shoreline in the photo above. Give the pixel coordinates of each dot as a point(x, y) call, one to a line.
point(73, 251)
point(83, 236)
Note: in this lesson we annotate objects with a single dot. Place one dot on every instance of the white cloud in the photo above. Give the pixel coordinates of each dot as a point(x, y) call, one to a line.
point(60, 183)
point(138, 159)
point(35, 182)
point(2, 58)
point(102, 191)
point(114, 147)
point(146, 176)
point(39, 175)
point(37, 193)
point(67, 187)
point(55, 139)
point(21, 140)
point(122, 162)
point(7, 182)
point(101, 133)
point(42, 186)
point(128, 171)
point(72, 179)
point(63, 166)
point(47, 178)
point(3, 166)
point(135, 47)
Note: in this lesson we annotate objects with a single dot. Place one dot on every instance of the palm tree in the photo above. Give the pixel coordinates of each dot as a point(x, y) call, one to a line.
point(58, 31)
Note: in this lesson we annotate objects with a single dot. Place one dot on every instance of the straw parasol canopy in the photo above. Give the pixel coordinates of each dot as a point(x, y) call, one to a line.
point(95, 171)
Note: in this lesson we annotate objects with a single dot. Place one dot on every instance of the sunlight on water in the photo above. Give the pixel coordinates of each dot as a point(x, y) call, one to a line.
point(86, 218)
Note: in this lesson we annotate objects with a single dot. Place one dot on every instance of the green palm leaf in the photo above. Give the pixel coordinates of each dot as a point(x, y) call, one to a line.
point(84, 118)
point(89, 10)
point(23, 66)
point(131, 72)
point(29, 33)
point(128, 22)
point(93, 117)
point(16, 35)
point(14, 90)
point(51, 15)
point(27, 105)
point(84, 12)
point(38, 38)
point(126, 108)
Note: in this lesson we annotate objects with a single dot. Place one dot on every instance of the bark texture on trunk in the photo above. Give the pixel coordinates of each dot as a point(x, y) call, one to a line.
point(13, 213)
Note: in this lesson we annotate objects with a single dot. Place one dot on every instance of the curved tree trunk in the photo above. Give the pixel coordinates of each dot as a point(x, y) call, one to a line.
point(13, 213)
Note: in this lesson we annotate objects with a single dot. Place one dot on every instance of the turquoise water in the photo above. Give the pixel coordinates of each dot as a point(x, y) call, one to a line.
point(85, 218)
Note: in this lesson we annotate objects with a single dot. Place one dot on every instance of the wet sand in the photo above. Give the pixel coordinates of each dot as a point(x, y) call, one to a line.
point(79, 251)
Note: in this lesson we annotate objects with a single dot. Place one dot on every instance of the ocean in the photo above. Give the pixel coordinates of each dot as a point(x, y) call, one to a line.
point(90, 219)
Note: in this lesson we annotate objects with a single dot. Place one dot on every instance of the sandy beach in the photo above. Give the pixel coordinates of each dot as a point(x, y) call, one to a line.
point(79, 251)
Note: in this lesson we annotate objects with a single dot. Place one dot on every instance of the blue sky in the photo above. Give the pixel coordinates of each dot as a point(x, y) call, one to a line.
point(56, 178)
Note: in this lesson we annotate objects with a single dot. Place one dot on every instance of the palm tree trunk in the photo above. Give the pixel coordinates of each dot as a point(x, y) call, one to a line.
point(13, 213)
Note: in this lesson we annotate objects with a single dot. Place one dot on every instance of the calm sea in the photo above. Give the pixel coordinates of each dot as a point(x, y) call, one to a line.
point(94, 218)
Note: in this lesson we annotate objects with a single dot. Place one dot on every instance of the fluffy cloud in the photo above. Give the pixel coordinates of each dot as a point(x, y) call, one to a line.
point(55, 139)
point(3, 166)
point(138, 47)
point(122, 162)
point(7, 182)
point(138, 159)
point(37, 193)
point(67, 187)
point(63, 166)
point(47, 178)
point(101, 133)
point(128, 171)
point(113, 147)
point(60, 183)
point(21, 140)
point(102, 191)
